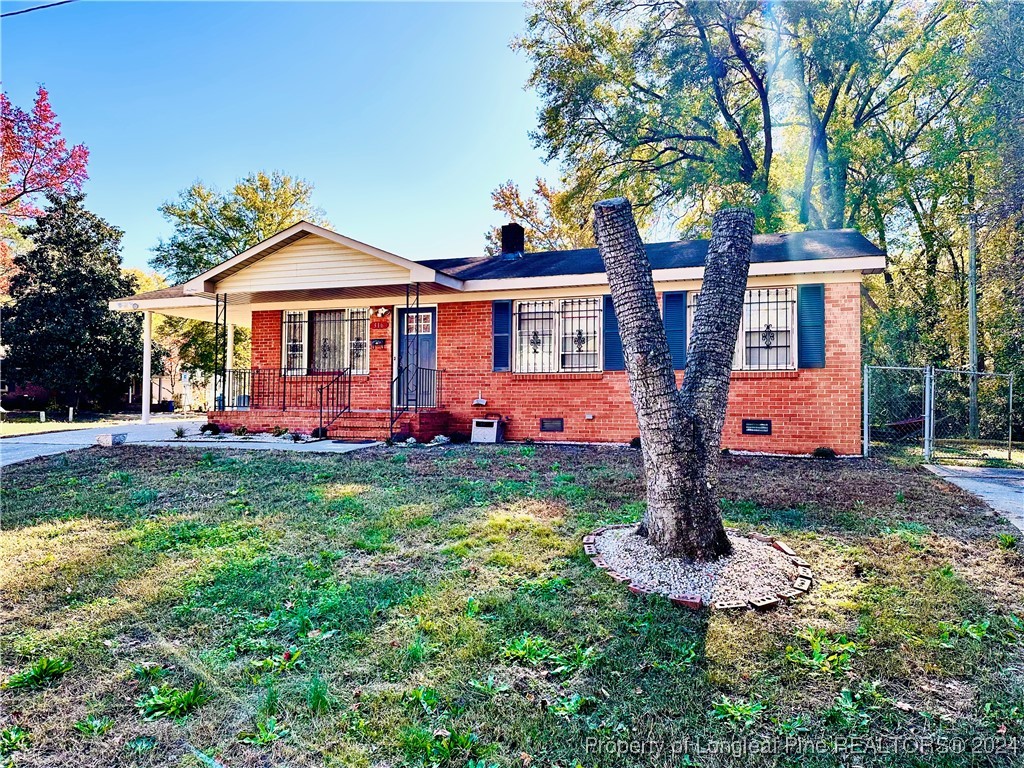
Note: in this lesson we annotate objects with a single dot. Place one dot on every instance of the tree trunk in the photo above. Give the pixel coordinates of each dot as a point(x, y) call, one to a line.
point(680, 430)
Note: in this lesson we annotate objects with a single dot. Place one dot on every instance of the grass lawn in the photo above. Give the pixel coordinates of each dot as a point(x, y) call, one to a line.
point(16, 428)
point(401, 606)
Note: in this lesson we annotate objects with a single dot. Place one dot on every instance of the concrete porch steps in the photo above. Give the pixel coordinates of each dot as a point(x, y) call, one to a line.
point(373, 424)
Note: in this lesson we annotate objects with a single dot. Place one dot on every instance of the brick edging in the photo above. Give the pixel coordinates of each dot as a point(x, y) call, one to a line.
point(756, 601)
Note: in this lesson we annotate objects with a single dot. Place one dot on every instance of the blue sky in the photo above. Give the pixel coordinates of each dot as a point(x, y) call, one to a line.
point(403, 115)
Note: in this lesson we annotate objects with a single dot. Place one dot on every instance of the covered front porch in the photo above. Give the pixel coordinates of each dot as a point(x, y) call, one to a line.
point(344, 337)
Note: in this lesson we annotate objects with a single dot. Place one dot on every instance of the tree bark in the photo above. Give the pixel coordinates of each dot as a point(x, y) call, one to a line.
point(680, 430)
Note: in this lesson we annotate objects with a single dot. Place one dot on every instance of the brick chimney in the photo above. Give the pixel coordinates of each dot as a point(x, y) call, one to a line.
point(513, 241)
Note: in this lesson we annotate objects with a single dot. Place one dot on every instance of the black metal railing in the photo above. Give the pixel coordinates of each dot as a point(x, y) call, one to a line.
point(414, 389)
point(335, 398)
point(281, 389)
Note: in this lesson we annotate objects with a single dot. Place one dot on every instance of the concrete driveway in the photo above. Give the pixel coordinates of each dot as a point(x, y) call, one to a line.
point(1001, 489)
point(15, 449)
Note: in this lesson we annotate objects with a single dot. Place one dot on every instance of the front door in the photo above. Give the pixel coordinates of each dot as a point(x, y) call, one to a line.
point(417, 357)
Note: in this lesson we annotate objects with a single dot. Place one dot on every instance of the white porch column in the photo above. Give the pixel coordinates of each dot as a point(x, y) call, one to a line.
point(147, 364)
point(230, 358)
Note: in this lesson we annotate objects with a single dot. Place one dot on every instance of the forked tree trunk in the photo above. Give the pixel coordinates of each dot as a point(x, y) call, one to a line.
point(680, 430)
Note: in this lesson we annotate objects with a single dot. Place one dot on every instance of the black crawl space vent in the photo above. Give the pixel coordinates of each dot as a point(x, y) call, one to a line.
point(552, 425)
point(757, 426)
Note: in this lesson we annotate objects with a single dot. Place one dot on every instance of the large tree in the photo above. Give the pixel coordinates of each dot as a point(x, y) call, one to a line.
point(35, 160)
point(211, 226)
point(680, 429)
point(59, 331)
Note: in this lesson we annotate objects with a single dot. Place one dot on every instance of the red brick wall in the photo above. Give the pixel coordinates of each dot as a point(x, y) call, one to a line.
point(808, 408)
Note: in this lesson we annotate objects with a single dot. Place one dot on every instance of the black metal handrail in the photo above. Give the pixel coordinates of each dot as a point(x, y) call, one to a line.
point(415, 389)
point(336, 396)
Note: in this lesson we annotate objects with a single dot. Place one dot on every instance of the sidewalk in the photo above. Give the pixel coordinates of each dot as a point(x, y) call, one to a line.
point(156, 433)
point(1001, 489)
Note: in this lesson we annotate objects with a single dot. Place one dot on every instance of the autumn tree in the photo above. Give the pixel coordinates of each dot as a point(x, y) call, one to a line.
point(547, 225)
point(680, 429)
point(211, 226)
point(34, 160)
point(59, 331)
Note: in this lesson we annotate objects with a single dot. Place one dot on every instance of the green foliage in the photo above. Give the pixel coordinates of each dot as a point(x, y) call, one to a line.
point(1007, 541)
point(853, 709)
point(738, 713)
point(167, 701)
point(13, 739)
point(94, 726)
point(825, 655)
point(318, 696)
point(268, 730)
point(140, 745)
point(39, 673)
point(58, 330)
point(529, 648)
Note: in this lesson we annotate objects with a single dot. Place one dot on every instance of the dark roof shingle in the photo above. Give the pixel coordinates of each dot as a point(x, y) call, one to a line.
point(794, 246)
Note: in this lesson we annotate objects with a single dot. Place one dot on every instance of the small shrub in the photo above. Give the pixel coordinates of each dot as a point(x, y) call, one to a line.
point(94, 726)
point(39, 673)
point(279, 431)
point(168, 701)
point(240, 431)
point(1007, 541)
point(267, 730)
point(824, 452)
point(459, 438)
point(179, 432)
point(13, 739)
point(296, 437)
point(320, 433)
point(210, 429)
point(635, 442)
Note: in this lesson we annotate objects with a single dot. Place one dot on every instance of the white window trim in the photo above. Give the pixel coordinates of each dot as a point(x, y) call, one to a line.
point(739, 362)
point(557, 335)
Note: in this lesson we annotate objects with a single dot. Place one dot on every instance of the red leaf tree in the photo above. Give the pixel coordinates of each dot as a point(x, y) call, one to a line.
point(34, 160)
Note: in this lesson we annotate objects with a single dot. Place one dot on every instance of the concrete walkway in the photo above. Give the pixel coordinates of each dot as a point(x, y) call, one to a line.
point(1001, 489)
point(157, 433)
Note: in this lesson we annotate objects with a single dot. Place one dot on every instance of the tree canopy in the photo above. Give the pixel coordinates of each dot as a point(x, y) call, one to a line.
point(60, 333)
point(212, 226)
point(894, 117)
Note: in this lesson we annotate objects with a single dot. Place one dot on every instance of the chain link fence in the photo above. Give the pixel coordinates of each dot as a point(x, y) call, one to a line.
point(938, 414)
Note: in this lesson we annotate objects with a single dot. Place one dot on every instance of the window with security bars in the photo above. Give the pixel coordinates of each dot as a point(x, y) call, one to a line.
point(560, 335)
point(326, 342)
point(767, 335)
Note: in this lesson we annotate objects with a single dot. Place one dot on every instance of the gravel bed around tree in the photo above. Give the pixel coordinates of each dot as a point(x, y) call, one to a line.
point(754, 568)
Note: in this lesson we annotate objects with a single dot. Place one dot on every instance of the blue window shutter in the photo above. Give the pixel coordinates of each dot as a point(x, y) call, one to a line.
point(502, 327)
point(675, 326)
point(613, 357)
point(810, 326)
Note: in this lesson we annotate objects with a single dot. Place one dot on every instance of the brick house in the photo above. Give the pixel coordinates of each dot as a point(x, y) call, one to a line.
point(365, 344)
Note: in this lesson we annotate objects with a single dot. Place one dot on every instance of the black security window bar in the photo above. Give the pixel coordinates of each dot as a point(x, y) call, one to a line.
point(326, 342)
point(766, 339)
point(562, 335)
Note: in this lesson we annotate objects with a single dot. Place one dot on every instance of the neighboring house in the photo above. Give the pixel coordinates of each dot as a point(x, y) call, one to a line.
point(369, 344)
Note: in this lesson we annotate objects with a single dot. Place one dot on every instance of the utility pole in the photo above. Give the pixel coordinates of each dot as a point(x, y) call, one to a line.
point(972, 319)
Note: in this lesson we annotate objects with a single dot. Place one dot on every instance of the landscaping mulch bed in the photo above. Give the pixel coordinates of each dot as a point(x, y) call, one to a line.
point(754, 569)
